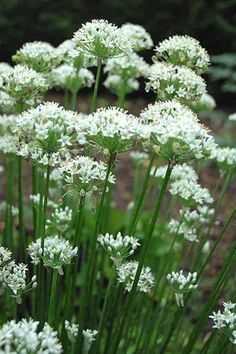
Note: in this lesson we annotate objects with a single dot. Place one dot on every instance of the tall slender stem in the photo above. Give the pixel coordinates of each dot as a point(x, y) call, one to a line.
point(8, 232)
point(74, 100)
point(95, 92)
point(128, 305)
point(22, 248)
point(53, 299)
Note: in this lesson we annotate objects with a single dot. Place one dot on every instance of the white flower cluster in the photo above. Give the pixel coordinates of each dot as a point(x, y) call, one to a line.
point(126, 274)
point(48, 127)
point(184, 50)
point(56, 252)
point(225, 157)
point(226, 320)
point(176, 132)
point(112, 129)
point(23, 83)
point(9, 144)
point(232, 117)
point(24, 337)
point(175, 82)
point(183, 229)
point(102, 40)
point(183, 171)
point(118, 247)
point(182, 284)
point(4, 68)
point(206, 103)
point(14, 209)
point(89, 337)
point(72, 330)
point(138, 36)
point(191, 192)
point(35, 199)
point(83, 174)
point(115, 83)
point(38, 55)
point(59, 220)
point(13, 276)
point(69, 77)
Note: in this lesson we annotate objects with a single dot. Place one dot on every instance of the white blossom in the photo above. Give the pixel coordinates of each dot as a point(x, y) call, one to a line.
point(225, 157)
point(182, 284)
point(59, 220)
point(206, 103)
point(115, 83)
point(184, 50)
point(89, 337)
point(139, 37)
point(56, 253)
point(226, 320)
point(72, 330)
point(126, 274)
point(232, 117)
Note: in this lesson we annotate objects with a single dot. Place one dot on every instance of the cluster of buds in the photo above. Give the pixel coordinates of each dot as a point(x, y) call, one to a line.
point(182, 284)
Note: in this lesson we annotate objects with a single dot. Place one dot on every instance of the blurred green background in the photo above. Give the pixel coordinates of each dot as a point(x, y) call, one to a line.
point(211, 22)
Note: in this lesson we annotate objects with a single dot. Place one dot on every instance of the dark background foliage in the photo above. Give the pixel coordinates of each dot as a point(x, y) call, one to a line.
point(212, 22)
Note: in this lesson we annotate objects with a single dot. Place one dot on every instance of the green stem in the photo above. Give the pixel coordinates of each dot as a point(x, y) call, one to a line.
point(34, 192)
point(95, 92)
point(66, 99)
point(22, 248)
point(122, 94)
point(128, 305)
point(8, 232)
point(74, 100)
point(53, 299)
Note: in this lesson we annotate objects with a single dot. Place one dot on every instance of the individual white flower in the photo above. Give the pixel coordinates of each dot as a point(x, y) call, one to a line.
point(130, 66)
point(175, 82)
point(138, 157)
point(226, 320)
point(191, 192)
point(13, 278)
point(89, 337)
point(102, 40)
point(38, 55)
point(24, 337)
point(118, 247)
point(232, 117)
point(72, 330)
point(49, 126)
point(116, 84)
point(184, 50)
point(206, 103)
point(67, 76)
point(182, 284)
point(112, 129)
point(5, 255)
point(225, 157)
point(140, 38)
point(59, 220)
point(56, 252)
point(24, 83)
point(126, 274)
point(176, 133)
point(83, 174)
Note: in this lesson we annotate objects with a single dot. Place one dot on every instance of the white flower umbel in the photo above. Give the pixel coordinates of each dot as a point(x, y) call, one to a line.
point(59, 220)
point(130, 66)
point(184, 50)
point(115, 84)
point(23, 84)
point(206, 103)
point(13, 278)
point(68, 77)
point(226, 320)
point(138, 157)
point(38, 55)
point(191, 192)
point(72, 330)
point(225, 157)
point(35, 199)
point(183, 171)
point(5, 67)
point(182, 284)
point(111, 129)
point(183, 229)
point(83, 174)
point(102, 40)
point(74, 57)
point(9, 144)
point(126, 274)
point(232, 117)
point(176, 133)
point(140, 38)
point(89, 337)
point(24, 337)
point(57, 252)
point(118, 247)
point(48, 126)
point(175, 82)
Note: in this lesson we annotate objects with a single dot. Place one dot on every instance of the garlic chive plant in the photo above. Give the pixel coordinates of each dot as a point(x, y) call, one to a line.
point(91, 265)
